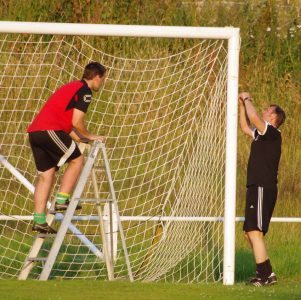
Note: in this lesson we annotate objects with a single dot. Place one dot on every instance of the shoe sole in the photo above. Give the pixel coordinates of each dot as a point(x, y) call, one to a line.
point(43, 232)
point(260, 284)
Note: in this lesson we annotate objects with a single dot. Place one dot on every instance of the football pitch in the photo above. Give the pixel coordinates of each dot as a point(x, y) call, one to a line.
point(73, 290)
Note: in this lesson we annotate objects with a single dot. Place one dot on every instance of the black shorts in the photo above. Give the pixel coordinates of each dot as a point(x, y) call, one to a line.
point(260, 203)
point(52, 149)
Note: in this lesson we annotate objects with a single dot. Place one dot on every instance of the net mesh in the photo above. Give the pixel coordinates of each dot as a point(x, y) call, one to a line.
point(163, 113)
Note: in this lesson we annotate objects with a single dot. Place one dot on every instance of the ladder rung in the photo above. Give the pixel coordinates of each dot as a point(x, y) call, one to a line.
point(36, 258)
point(45, 235)
point(94, 200)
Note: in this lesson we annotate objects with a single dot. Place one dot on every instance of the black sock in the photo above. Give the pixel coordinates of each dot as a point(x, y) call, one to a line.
point(264, 270)
point(269, 269)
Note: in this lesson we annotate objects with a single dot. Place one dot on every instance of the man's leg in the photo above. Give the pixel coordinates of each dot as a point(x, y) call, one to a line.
point(68, 182)
point(42, 190)
point(41, 195)
point(258, 246)
point(71, 174)
point(258, 211)
point(263, 265)
point(248, 240)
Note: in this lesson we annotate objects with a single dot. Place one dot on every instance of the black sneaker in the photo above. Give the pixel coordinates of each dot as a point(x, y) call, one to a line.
point(272, 279)
point(62, 207)
point(257, 282)
point(43, 228)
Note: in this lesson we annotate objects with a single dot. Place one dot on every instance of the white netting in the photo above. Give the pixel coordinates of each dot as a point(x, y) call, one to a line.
point(164, 119)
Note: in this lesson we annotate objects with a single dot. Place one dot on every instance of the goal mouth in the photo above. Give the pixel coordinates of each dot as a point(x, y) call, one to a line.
point(164, 110)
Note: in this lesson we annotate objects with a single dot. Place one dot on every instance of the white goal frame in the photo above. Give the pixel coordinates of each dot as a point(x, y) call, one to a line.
point(228, 33)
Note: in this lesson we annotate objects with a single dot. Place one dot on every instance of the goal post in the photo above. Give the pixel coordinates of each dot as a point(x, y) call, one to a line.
point(231, 156)
point(171, 122)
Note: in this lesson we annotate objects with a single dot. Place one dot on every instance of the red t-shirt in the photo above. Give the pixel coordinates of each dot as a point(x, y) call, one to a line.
point(56, 114)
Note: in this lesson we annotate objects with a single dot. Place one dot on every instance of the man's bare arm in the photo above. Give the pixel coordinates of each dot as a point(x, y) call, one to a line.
point(244, 124)
point(243, 118)
point(78, 122)
point(251, 112)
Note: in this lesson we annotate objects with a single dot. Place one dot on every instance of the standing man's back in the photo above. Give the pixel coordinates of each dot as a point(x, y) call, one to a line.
point(264, 157)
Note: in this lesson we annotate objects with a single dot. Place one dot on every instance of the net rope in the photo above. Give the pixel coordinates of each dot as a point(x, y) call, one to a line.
point(164, 120)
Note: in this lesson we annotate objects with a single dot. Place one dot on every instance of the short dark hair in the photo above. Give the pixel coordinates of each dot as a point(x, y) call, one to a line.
point(280, 114)
point(93, 69)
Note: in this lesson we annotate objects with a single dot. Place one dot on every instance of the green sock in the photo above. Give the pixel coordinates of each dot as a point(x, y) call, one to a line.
point(61, 198)
point(39, 218)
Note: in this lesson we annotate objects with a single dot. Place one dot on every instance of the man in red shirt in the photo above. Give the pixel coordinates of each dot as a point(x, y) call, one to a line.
point(50, 139)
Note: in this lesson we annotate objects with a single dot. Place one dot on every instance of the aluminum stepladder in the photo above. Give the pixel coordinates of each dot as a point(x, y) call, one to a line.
point(66, 222)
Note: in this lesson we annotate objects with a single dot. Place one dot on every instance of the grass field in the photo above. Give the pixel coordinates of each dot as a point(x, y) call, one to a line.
point(73, 290)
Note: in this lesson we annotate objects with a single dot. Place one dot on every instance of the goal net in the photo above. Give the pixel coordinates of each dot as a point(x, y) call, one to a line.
point(164, 110)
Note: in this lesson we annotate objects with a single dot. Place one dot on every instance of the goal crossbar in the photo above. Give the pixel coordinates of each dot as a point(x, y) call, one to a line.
point(119, 30)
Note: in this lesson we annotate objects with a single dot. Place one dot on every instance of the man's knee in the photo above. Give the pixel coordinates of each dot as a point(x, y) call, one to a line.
point(79, 161)
point(47, 175)
point(254, 234)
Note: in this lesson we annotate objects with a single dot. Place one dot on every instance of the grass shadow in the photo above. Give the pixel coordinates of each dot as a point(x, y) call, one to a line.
point(244, 265)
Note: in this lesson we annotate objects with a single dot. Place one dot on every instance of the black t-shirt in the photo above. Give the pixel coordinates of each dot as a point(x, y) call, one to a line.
point(264, 158)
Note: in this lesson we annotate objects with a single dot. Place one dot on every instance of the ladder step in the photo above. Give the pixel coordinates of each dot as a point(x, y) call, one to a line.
point(94, 200)
point(36, 258)
point(45, 235)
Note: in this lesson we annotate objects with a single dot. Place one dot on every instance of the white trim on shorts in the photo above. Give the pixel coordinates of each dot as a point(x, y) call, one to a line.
point(62, 146)
point(57, 140)
point(259, 207)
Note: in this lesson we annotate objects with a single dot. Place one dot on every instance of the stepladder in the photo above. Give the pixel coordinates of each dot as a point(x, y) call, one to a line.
point(106, 254)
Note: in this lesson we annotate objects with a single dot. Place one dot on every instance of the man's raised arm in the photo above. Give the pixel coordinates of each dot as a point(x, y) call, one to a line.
point(251, 113)
point(243, 118)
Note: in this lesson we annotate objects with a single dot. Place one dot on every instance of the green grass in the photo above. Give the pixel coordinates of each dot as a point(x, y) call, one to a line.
point(283, 247)
point(73, 290)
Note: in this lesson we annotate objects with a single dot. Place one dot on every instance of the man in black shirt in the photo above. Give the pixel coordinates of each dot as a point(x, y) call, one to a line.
point(261, 180)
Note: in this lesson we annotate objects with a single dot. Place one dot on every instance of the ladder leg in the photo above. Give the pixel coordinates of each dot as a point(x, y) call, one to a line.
point(28, 265)
point(114, 199)
point(111, 231)
point(107, 257)
point(34, 251)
